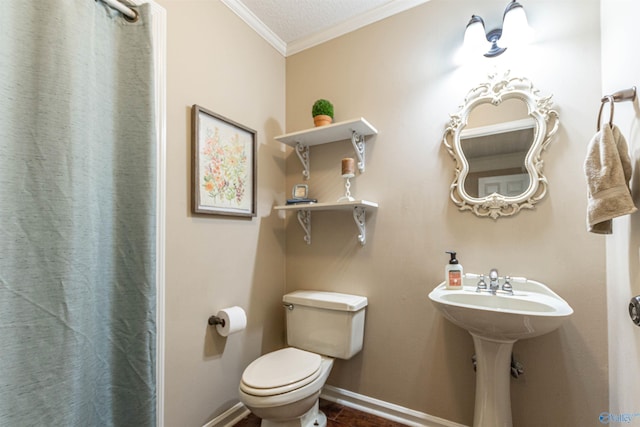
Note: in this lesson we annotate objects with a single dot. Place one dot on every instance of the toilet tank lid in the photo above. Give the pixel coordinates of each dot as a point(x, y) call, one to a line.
point(328, 300)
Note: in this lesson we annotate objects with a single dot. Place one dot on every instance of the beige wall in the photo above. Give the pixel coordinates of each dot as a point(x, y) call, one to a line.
point(215, 60)
point(400, 75)
point(620, 71)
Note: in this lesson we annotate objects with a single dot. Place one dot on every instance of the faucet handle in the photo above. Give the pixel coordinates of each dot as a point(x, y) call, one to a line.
point(482, 285)
point(506, 286)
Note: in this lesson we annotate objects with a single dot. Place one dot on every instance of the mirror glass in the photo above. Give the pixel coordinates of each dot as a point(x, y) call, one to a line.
point(496, 139)
point(495, 142)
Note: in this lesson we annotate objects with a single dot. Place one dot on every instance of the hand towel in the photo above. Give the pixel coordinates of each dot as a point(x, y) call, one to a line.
point(608, 171)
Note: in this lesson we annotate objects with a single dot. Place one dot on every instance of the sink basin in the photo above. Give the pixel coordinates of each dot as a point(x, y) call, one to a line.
point(495, 322)
point(532, 310)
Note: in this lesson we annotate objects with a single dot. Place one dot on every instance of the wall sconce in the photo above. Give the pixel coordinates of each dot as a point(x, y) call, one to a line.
point(515, 29)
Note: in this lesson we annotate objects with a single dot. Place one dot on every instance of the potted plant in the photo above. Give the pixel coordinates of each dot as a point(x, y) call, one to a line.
point(322, 112)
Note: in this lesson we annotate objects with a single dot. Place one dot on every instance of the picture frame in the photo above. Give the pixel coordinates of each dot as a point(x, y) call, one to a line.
point(300, 191)
point(224, 165)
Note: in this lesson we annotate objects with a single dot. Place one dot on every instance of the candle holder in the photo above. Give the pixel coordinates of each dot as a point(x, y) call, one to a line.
point(347, 185)
point(348, 172)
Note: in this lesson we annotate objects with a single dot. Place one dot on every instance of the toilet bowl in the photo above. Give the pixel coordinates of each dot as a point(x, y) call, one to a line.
point(282, 388)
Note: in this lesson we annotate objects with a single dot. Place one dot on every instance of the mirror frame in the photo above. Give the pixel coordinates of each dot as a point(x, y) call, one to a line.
point(496, 90)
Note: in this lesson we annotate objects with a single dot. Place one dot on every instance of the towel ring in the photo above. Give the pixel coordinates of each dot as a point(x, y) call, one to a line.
point(606, 99)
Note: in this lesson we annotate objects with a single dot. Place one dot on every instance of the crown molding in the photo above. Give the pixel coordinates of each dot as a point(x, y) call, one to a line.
point(257, 25)
point(320, 37)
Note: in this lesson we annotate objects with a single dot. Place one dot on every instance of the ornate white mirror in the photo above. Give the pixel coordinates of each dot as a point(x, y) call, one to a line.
point(496, 139)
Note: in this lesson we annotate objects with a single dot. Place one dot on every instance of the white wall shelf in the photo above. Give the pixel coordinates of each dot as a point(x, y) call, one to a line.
point(355, 130)
point(358, 207)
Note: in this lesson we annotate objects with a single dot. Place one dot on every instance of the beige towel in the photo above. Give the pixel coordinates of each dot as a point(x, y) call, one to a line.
point(608, 171)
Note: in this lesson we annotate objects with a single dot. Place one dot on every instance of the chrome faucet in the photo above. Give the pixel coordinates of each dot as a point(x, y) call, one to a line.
point(493, 281)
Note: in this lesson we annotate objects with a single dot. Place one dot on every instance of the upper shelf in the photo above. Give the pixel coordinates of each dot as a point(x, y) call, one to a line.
point(338, 131)
point(355, 130)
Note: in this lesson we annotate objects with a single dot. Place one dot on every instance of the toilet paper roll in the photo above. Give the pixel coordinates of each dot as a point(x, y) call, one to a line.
point(234, 318)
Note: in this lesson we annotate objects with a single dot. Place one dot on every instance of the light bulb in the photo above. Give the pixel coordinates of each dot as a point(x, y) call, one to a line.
point(475, 40)
point(515, 27)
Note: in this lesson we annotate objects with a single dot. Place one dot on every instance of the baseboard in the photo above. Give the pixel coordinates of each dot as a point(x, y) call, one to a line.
point(229, 417)
point(383, 409)
point(353, 400)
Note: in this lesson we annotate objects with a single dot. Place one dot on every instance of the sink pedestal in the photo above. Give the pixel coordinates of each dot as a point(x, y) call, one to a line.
point(493, 395)
point(496, 321)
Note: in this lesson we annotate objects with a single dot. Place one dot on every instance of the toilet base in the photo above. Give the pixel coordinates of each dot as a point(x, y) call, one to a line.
point(314, 417)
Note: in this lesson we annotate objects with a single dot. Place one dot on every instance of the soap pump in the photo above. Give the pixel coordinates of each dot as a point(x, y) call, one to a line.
point(453, 272)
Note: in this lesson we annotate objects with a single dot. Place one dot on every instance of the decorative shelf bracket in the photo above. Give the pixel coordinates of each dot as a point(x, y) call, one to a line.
point(359, 218)
point(304, 218)
point(358, 145)
point(356, 207)
point(303, 154)
point(301, 141)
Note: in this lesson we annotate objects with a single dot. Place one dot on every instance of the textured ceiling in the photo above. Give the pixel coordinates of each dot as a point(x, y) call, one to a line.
point(293, 20)
point(295, 25)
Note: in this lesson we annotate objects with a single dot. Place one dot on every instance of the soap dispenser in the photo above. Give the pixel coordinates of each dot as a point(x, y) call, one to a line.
point(453, 272)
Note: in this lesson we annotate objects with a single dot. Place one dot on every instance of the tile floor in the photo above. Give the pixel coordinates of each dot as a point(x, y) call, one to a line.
point(337, 416)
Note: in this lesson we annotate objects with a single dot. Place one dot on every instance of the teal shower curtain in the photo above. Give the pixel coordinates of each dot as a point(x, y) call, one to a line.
point(77, 216)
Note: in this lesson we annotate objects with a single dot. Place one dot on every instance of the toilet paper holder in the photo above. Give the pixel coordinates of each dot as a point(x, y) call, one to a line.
point(634, 310)
point(215, 320)
point(229, 320)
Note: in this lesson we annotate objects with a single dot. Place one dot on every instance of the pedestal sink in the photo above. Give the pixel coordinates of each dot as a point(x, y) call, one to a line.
point(495, 322)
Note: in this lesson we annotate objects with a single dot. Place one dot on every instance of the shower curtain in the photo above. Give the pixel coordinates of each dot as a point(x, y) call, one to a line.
point(77, 216)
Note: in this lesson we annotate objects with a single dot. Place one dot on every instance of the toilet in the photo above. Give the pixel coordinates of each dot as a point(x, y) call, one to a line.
point(283, 387)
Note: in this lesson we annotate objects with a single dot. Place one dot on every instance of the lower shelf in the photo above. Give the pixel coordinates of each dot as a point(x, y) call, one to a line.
point(358, 207)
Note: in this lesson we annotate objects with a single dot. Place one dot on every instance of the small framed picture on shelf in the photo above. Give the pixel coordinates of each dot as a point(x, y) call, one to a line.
point(300, 195)
point(223, 180)
point(300, 191)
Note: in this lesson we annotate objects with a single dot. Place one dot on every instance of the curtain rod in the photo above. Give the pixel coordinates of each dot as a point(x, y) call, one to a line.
point(128, 12)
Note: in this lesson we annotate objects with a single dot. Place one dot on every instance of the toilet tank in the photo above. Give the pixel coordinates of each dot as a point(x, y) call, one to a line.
point(327, 323)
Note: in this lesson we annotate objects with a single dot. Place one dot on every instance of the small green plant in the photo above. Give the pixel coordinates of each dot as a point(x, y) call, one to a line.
point(322, 107)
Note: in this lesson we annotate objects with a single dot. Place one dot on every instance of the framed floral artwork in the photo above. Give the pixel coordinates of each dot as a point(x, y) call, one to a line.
point(223, 165)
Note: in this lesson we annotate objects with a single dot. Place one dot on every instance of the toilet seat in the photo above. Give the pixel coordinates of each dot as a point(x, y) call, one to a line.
point(280, 372)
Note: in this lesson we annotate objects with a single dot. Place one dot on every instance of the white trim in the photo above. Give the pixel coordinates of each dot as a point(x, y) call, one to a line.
point(504, 127)
point(320, 37)
point(383, 409)
point(347, 398)
point(256, 24)
point(159, 34)
point(159, 15)
point(230, 417)
point(352, 24)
